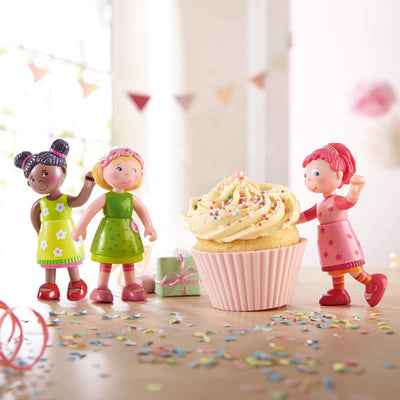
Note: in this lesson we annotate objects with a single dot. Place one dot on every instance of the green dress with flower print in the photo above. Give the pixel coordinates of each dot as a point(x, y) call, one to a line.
point(56, 248)
point(115, 242)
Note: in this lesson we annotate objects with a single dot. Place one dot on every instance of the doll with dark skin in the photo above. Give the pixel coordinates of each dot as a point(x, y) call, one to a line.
point(51, 218)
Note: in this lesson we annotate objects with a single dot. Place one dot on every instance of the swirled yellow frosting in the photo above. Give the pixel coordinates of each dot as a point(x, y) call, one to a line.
point(240, 209)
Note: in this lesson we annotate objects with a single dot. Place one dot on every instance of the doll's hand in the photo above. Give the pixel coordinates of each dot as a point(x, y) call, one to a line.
point(357, 180)
point(77, 233)
point(89, 180)
point(152, 233)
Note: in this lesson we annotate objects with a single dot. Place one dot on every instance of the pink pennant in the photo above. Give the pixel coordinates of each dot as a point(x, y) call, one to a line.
point(185, 100)
point(87, 88)
point(38, 73)
point(139, 100)
point(259, 80)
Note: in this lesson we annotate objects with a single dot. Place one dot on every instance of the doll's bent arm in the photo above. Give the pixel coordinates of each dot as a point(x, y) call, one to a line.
point(87, 216)
point(307, 215)
point(35, 216)
point(84, 194)
point(144, 216)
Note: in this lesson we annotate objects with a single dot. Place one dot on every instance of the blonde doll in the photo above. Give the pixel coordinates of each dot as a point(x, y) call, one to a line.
point(117, 239)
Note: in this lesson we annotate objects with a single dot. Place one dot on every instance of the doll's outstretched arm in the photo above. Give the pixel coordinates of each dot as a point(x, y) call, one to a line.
point(84, 194)
point(35, 216)
point(357, 182)
point(307, 215)
point(87, 216)
point(144, 216)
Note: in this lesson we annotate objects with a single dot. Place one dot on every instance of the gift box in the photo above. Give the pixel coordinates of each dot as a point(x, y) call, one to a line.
point(177, 276)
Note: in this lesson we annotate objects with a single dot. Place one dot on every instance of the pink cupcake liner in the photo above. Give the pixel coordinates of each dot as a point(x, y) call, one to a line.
point(250, 281)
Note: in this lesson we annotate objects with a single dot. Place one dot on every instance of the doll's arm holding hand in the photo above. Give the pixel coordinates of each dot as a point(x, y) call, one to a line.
point(35, 216)
point(84, 194)
point(87, 216)
point(357, 182)
point(144, 216)
point(307, 215)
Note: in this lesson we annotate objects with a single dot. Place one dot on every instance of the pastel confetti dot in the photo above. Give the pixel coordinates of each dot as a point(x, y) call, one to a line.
point(388, 366)
point(229, 338)
point(279, 396)
point(328, 382)
point(275, 377)
point(154, 387)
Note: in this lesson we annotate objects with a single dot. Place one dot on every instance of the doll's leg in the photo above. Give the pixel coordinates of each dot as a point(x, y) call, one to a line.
point(375, 285)
point(132, 290)
point(102, 294)
point(337, 296)
point(77, 288)
point(49, 290)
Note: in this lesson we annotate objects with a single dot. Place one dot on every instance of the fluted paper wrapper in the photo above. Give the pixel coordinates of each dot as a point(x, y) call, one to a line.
point(250, 281)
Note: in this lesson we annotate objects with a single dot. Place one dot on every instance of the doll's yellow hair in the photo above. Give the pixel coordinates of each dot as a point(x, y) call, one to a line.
point(99, 179)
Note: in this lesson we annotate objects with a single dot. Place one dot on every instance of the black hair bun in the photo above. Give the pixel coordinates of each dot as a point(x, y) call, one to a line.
point(60, 146)
point(20, 158)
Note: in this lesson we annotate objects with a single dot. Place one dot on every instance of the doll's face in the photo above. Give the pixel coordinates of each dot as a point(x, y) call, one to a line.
point(319, 177)
point(44, 179)
point(122, 174)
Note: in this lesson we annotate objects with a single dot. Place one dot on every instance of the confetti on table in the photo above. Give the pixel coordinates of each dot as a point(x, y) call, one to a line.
point(251, 388)
point(154, 387)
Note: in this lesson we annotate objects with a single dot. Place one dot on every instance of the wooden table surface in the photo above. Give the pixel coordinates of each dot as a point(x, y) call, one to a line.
point(88, 356)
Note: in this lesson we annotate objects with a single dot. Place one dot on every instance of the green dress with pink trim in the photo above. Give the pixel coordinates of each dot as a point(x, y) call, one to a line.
point(115, 242)
point(56, 248)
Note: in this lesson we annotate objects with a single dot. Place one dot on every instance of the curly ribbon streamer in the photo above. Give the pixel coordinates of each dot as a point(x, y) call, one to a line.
point(16, 325)
point(180, 278)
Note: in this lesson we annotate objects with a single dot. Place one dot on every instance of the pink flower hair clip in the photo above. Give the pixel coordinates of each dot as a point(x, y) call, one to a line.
point(120, 152)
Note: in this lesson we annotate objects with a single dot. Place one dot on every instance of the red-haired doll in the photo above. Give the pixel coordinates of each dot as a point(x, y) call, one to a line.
point(327, 169)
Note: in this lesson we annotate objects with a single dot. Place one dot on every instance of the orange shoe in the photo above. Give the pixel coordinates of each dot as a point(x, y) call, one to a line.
point(375, 290)
point(335, 297)
point(48, 291)
point(77, 290)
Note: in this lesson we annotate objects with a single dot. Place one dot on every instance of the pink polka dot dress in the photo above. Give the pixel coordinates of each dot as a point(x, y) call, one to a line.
point(339, 248)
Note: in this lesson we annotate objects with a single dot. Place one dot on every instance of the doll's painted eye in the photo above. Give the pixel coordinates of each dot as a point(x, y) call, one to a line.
point(32, 179)
point(45, 173)
point(134, 170)
point(119, 169)
point(305, 175)
point(316, 173)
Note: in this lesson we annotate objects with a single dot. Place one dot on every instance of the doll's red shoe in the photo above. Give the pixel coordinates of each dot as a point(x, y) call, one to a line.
point(101, 294)
point(335, 297)
point(77, 290)
point(375, 290)
point(48, 291)
point(133, 292)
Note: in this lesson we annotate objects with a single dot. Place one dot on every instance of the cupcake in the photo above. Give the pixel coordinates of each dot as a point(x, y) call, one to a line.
point(247, 246)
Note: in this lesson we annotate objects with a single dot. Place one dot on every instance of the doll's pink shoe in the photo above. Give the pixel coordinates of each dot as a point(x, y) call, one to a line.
point(375, 290)
point(48, 291)
point(133, 292)
point(101, 294)
point(77, 290)
point(335, 297)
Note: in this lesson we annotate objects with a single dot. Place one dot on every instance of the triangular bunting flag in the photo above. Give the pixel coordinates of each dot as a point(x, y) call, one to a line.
point(87, 88)
point(38, 73)
point(185, 100)
point(224, 93)
point(259, 80)
point(139, 100)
